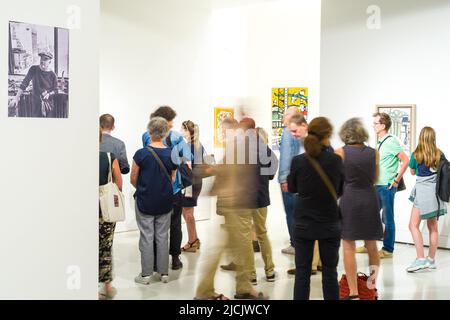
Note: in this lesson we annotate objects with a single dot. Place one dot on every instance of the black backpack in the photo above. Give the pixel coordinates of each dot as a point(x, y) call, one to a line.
point(443, 180)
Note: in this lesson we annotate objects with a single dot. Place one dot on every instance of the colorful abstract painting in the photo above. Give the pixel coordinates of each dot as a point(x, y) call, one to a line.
point(220, 114)
point(282, 99)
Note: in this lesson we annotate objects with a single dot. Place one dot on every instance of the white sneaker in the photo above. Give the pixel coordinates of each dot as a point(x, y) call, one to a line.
point(142, 280)
point(418, 264)
point(164, 278)
point(288, 250)
point(431, 263)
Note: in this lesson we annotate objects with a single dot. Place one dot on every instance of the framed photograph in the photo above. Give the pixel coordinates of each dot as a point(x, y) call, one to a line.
point(220, 114)
point(403, 117)
point(38, 71)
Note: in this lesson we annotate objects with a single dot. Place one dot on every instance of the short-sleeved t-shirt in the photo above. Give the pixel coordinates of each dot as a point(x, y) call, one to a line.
point(104, 167)
point(154, 194)
point(390, 148)
point(421, 168)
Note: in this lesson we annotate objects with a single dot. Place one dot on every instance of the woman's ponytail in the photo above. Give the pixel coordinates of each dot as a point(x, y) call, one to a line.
point(319, 130)
point(313, 145)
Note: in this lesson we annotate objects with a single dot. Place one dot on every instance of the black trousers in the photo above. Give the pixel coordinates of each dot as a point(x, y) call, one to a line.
point(329, 254)
point(176, 235)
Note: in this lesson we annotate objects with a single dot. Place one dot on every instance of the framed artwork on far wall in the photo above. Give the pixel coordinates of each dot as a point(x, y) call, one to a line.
point(220, 114)
point(403, 117)
point(282, 99)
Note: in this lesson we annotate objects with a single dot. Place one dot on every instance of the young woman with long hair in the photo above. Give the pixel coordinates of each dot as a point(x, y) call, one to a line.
point(426, 205)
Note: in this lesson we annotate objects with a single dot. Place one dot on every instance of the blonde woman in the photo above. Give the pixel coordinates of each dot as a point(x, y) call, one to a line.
point(190, 132)
point(426, 206)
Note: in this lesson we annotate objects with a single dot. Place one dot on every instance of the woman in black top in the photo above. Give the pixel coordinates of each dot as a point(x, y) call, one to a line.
point(317, 215)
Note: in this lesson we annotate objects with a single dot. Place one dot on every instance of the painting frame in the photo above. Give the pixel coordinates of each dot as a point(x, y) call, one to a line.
point(404, 130)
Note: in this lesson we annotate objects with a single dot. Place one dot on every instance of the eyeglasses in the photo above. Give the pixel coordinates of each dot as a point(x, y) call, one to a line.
point(376, 123)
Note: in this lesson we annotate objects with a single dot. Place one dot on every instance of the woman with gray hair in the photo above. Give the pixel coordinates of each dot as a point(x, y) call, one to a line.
point(359, 204)
point(152, 174)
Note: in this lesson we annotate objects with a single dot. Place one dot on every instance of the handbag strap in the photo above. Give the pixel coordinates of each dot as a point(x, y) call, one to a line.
point(323, 176)
point(379, 150)
point(109, 167)
point(163, 168)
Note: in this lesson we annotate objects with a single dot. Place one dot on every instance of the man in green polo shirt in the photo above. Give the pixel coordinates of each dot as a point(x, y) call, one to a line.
point(390, 153)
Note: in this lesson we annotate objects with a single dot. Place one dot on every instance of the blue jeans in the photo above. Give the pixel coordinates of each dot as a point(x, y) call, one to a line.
point(290, 202)
point(386, 198)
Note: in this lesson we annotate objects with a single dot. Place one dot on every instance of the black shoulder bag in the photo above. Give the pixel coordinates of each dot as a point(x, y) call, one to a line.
point(185, 172)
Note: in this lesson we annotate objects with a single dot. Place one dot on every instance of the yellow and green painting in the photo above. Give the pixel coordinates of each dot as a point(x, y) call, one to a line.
point(282, 99)
point(220, 114)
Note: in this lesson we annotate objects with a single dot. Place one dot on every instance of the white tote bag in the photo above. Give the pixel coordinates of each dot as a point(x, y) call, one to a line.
point(111, 199)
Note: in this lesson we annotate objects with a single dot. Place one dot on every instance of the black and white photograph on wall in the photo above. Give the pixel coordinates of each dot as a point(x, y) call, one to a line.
point(38, 81)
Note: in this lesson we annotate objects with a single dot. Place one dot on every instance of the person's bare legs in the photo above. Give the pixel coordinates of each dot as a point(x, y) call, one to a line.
point(374, 260)
point(188, 215)
point(432, 225)
point(350, 266)
point(414, 227)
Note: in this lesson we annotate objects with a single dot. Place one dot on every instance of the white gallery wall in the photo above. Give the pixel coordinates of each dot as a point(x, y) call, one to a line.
point(405, 61)
point(49, 206)
point(197, 55)
point(154, 53)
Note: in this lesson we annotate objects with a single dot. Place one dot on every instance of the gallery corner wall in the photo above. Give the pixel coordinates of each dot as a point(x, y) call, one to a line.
point(376, 52)
point(207, 54)
point(49, 205)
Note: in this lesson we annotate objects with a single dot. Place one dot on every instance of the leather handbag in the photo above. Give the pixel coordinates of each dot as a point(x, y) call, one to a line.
point(401, 185)
point(364, 292)
point(187, 177)
point(111, 199)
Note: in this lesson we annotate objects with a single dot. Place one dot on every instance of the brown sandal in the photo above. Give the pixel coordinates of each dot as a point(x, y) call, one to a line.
point(191, 246)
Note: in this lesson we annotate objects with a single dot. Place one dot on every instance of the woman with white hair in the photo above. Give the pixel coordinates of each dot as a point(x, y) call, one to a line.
point(359, 204)
point(152, 175)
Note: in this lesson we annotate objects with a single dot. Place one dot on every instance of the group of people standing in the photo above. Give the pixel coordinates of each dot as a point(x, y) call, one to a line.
point(365, 181)
point(159, 201)
point(328, 195)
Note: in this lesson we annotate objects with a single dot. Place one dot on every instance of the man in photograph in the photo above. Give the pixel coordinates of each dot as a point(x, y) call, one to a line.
point(45, 86)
